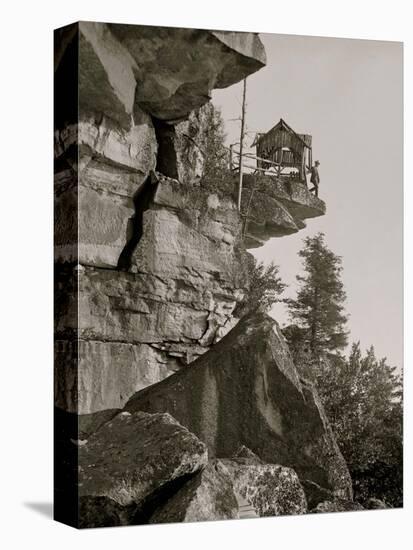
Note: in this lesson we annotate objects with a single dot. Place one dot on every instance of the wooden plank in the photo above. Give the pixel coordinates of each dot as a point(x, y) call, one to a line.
point(254, 157)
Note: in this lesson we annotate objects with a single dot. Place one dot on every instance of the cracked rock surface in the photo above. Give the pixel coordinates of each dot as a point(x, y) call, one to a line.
point(132, 328)
point(147, 272)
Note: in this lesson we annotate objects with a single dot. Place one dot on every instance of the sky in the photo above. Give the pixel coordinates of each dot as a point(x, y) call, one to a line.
point(348, 95)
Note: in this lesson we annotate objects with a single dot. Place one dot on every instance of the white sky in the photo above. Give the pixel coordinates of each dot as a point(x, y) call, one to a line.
point(348, 95)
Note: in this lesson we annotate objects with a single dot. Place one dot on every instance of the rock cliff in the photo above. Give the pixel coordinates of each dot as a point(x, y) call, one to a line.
point(129, 315)
point(276, 207)
point(150, 266)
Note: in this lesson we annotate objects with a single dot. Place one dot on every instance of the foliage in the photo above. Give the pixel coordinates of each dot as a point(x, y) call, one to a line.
point(318, 307)
point(362, 395)
point(297, 339)
point(265, 288)
point(363, 400)
point(216, 175)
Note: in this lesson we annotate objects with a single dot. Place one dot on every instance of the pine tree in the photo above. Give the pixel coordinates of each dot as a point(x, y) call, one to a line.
point(318, 307)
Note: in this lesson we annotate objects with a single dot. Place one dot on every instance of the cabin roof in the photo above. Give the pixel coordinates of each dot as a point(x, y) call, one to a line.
point(280, 125)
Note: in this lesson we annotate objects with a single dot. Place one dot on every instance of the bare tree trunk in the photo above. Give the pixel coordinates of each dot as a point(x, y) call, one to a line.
point(241, 146)
point(314, 323)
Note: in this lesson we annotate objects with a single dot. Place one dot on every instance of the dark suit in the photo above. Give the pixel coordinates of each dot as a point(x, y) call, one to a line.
point(315, 179)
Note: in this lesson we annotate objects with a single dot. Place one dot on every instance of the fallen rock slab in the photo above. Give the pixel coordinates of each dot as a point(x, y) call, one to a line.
point(246, 391)
point(129, 460)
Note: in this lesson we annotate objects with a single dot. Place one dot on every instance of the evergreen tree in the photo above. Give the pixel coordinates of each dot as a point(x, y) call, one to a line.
point(318, 307)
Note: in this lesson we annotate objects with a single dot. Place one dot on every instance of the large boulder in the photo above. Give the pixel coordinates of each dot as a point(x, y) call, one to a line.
point(208, 496)
point(271, 489)
point(167, 87)
point(123, 66)
point(131, 460)
point(246, 391)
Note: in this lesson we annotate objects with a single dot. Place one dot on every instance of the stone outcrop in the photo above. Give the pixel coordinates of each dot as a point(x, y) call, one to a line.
point(150, 267)
point(147, 270)
point(127, 76)
point(276, 207)
point(168, 88)
point(130, 329)
point(246, 391)
point(164, 410)
point(208, 496)
point(128, 460)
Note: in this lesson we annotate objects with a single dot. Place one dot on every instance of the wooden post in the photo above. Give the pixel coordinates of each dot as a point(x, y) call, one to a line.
point(303, 177)
point(281, 161)
point(241, 146)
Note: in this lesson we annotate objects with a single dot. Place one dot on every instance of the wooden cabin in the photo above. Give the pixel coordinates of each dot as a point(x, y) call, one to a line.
point(284, 151)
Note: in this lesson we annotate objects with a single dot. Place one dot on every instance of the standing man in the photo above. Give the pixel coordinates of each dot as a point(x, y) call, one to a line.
point(315, 177)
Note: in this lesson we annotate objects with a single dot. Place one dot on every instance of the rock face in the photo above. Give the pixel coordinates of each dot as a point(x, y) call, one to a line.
point(276, 207)
point(208, 496)
point(136, 327)
point(130, 458)
point(170, 89)
point(246, 391)
point(150, 267)
point(147, 269)
point(124, 76)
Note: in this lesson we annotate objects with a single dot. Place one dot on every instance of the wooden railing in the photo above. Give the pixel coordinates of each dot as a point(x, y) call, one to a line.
point(234, 165)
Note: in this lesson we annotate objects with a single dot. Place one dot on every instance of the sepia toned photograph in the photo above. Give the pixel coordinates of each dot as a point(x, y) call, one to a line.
point(228, 275)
